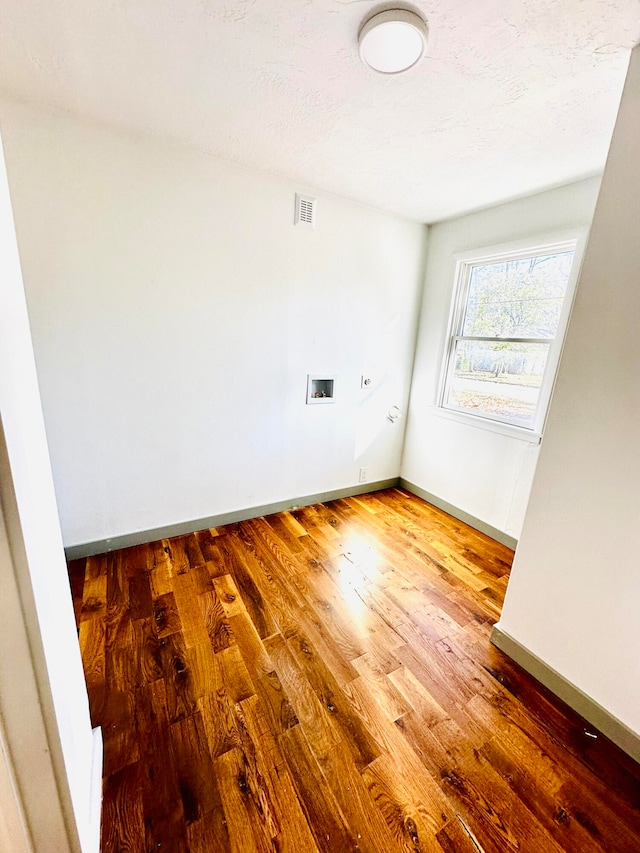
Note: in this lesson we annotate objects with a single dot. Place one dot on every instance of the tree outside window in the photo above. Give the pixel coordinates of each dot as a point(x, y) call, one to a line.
point(506, 335)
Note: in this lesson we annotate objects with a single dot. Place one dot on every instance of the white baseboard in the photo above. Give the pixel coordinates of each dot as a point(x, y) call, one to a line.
point(460, 514)
point(599, 717)
point(127, 540)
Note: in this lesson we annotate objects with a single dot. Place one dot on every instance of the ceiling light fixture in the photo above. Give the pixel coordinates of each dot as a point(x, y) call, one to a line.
point(394, 41)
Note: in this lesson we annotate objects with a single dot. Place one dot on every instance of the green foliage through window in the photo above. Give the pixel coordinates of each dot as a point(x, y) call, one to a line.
point(518, 298)
point(505, 330)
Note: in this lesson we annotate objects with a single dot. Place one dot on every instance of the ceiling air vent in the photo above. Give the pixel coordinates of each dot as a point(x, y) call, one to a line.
point(305, 211)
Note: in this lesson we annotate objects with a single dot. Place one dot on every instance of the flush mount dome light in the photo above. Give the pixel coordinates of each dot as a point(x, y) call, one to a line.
point(393, 41)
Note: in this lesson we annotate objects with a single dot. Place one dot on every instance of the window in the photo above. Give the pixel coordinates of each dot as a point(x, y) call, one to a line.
point(508, 324)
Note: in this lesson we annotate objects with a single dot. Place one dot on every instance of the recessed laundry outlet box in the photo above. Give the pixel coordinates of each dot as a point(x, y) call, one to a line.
point(320, 388)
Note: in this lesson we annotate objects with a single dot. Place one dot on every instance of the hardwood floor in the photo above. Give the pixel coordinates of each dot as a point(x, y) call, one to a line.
point(322, 680)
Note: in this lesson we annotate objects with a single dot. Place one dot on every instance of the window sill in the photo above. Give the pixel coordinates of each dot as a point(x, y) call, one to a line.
point(485, 423)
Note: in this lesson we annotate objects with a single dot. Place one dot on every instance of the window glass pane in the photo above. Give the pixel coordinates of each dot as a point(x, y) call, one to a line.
point(517, 298)
point(498, 380)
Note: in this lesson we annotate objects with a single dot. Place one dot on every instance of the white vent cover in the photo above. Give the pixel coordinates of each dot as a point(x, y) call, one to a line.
point(305, 211)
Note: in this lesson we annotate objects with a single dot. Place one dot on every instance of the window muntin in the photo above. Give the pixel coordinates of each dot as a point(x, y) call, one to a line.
point(507, 333)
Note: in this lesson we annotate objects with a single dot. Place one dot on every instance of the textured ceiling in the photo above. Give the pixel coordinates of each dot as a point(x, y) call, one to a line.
point(514, 95)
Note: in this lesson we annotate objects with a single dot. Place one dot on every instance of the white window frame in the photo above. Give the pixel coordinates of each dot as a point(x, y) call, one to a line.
point(464, 262)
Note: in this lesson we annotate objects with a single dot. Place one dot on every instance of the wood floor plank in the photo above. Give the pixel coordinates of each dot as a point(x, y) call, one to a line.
point(94, 590)
point(139, 596)
point(364, 817)
point(123, 815)
point(400, 769)
point(228, 595)
point(250, 829)
point(185, 591)
point(164, 817)
point(322, 681)
point(271, 586)
point(325, 644)
point(146, 651)
point(391, 701)
point(324, 815)
point(356, 736)
point(484, 797)
point(209, 834)
point(215, 620)
point(177, 553)
point(92, 646)
point(166, 616)
point(455, 837)
point(271, 775)
point(537, 784)
point(236, 678)
point(308, 708)
point(277, 705)
point(177, 677)
point(77, 571)
point(160, 578)
point(271, 547)
point(252, 648)
point(196, 777)
point(406, 805)
point(258, 609)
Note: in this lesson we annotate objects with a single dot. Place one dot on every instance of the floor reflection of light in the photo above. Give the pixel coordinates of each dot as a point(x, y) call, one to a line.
point(361, 553)
point(358, 557)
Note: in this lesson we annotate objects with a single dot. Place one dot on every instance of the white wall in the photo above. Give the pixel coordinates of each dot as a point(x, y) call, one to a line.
point(575, 586)
point(43, 699)
point(480, 471)
point(176, 312)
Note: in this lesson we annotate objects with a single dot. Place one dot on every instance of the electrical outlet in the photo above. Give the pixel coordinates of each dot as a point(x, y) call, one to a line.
point(363, 475)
